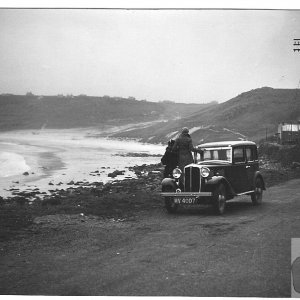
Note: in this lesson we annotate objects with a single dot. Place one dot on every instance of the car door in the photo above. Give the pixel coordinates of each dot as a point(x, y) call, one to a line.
point(251, 165)
point(238, 174)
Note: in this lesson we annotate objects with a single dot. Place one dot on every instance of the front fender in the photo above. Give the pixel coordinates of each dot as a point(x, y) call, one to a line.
point(168, 183)
point(212, 182)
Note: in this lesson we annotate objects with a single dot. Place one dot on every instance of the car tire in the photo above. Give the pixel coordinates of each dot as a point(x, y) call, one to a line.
point(170, 206)
point(219, 199)
point(256, 197)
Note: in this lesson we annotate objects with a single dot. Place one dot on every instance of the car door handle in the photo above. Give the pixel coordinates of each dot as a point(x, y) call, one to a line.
point(247, 167)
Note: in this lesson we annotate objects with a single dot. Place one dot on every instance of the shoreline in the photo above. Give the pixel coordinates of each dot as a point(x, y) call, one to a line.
point(42, 162)
point(32, 193)
point(118, 199)
point(147, 174)
point(58, 158)
point(95, 187)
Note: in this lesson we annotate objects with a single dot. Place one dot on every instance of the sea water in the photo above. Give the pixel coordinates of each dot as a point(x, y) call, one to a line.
point(51, 159)
point(12, 164)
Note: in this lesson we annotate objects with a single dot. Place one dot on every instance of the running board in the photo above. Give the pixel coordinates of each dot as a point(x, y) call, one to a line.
point(245, 193)
point(187, 194)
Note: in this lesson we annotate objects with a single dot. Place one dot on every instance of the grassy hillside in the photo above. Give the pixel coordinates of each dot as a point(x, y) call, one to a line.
point(33, 112)
point(253, 112)
point(245, 116)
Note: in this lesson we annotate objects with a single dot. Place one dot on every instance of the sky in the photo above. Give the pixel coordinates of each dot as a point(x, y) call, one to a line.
point(189, 56)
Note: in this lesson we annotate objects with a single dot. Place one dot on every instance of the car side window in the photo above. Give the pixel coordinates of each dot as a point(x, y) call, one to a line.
point(249, 154)
point(255, 154)
point(238, 155)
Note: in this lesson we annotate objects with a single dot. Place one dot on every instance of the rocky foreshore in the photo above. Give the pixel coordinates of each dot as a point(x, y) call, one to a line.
point(147, 176)
point(137, 154)
point(117, 199)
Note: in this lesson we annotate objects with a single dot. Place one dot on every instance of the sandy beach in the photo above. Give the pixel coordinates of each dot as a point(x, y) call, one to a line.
point(51, 159)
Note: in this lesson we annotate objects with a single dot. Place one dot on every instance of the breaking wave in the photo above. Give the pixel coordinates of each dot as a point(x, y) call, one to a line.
point(12, 164)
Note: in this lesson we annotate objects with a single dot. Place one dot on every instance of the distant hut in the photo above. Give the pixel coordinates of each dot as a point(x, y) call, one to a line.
point(289, 133)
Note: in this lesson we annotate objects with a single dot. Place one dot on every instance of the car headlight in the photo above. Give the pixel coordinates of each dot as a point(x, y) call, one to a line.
point(177, 173)
point(205, 172)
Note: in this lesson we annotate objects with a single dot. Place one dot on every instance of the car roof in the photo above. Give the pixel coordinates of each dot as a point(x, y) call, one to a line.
point(225, 144)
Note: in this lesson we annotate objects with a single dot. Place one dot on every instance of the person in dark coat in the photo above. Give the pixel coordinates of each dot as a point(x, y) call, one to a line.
point(184, 146)
point(169, 159)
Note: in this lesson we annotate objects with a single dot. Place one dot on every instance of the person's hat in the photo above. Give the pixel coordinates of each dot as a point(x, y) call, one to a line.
point(185, 130)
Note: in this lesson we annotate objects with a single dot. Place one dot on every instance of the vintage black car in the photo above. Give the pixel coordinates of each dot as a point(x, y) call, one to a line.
point(220, 171)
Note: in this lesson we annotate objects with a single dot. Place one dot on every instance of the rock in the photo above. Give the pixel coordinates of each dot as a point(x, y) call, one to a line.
point(137, 154)
point(50, 183)
point(26, 194)
point(78, 183)
point(155, 172)
point(25, 173)
point(112, 175)
point(97, 183)
point(119, 172)
point(116, 173)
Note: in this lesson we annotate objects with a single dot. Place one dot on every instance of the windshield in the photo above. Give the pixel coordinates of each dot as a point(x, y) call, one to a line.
point(215, 154)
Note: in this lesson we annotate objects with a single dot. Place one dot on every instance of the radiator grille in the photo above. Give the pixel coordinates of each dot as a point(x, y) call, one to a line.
point(192, 179)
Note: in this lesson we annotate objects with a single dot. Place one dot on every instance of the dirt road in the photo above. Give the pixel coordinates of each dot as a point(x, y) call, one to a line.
point(246, 252)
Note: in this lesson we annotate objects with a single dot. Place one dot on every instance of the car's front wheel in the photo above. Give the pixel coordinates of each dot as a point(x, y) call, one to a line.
point(170, 206)
point(256, 196)
point(219, 199)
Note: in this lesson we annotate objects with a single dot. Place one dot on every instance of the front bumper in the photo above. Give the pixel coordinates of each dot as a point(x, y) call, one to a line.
point(187, 194)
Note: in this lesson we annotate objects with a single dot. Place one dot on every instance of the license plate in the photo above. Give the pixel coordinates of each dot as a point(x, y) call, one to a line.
point(185, 200)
